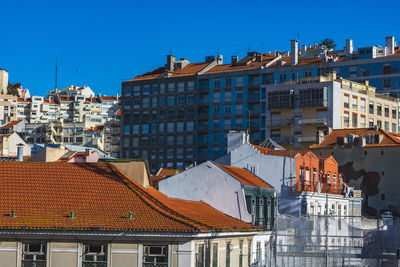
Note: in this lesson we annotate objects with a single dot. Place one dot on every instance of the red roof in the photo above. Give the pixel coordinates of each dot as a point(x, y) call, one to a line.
point(389, 139)
point(11, 124)
point(283, 153)
point(44, 196)
point(96, 128)
point(246, 177)
point(112, 98)
point(190, 69)
point(118, 113)
point(167, 172)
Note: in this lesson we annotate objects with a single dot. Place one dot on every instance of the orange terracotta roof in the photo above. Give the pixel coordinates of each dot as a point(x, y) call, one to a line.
point(118, 113)
point(198, 211)
point(96, 128)
point(389, 139)
point(92, 99)
point(246, 177)
point(24, 100)
point(11, 124)
point(189, 69)
point(112, 98)
point(283, 153)
point(49, 101)
point(43, 195)
point(164, 172)
point(239, 67)
point(66, 98)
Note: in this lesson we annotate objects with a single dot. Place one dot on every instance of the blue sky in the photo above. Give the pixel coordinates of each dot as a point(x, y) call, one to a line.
point(101, 43)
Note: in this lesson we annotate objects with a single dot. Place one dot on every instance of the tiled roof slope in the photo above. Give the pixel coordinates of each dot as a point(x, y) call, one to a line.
point(190, 69)
point(43, 196)
point(283, 153)
point(167, 172)
point(197, 211)
point(389, 139)
point(246, 177)
point(11, 124)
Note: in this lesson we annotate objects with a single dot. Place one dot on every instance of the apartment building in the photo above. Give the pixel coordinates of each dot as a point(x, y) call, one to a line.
point(201, 102)
point(302, 112)
point(7, 108)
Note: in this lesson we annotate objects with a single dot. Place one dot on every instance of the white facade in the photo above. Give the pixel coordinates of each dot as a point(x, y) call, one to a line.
point(210, 184)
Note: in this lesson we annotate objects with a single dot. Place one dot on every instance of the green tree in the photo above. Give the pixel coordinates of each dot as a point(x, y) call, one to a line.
point(12, 89)
point(328, 43)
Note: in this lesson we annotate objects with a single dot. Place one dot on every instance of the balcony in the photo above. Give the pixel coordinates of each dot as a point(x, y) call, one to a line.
point(307, 139)
point(280, 123)
point(283, 140)
point(314, 121)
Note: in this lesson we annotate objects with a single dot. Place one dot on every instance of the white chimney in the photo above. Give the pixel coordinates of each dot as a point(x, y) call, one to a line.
point(390, 44)
point(236, 139)
point(294, 54)
point(304, 48)
point(349, 47)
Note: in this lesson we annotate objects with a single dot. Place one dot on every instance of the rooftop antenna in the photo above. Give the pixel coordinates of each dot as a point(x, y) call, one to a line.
point(56, 78)
point(237, 50)
point(170, 51)
point(217, 50)
point(298, 35)
point(262, 47)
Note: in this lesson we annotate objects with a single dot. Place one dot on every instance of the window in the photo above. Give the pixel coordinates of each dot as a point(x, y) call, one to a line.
point(307, 176)
point(386, 111)
point(258, 252)
point(354, 120)
point(228, 254)
point(155, 256)
point(362, 105)
point(387, 126)
point(314, 175)
point(346, 101)
point(346, 119)
point(328, 178)
point(354, 103)
point(190, 99)
point(394, 128)
point(249, 253)
point(181, 100)
point(217, 84)
point(301, 175)
point(334, 179)
point(386, 83)
point(78, 139)
point(200, 256)
point(34, 254)
point(362, 122)
point(94, 255)
point(379, 110)
point(371, 108)
point(228, 83)
point(171, 101)
point(387, 69)
point(239, 81)
point(215, 255)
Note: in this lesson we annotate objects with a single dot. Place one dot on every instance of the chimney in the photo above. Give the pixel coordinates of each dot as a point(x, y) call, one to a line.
point(170, 62)
point(234, 59)
point(20, 151)
point(220, 59)
point(210, 59)
point(294, 54)
point(87, 152)
point(349, 47)
point(390, 44)
point(304, 48)
point(276, 53)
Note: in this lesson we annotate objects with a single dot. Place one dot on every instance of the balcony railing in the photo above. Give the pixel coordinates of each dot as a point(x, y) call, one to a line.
point(307, 139)
point(276, 123)
point(319, 121)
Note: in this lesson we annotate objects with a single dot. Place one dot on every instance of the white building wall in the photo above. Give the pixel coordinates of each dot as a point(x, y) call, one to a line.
point(275, 170)
point(210, 184)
